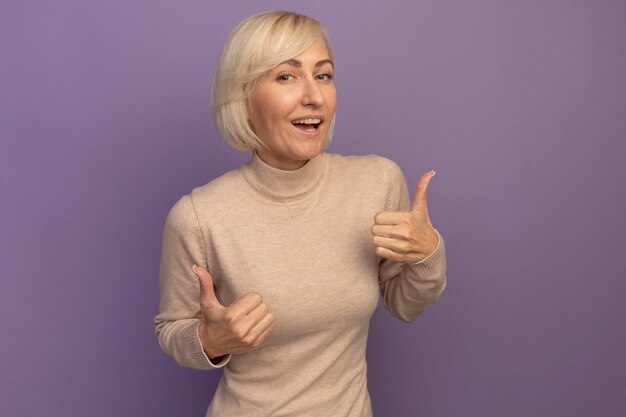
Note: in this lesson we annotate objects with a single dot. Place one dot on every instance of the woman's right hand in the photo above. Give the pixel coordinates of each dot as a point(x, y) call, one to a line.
point(240, 327)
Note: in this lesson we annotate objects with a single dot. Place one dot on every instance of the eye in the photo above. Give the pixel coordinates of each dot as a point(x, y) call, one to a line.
point(284, 77)
point(325, 77)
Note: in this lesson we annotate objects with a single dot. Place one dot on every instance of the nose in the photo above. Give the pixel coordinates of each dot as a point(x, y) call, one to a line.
point(312, 94)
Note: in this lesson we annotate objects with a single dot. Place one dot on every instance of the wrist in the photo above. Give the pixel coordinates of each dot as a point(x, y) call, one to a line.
point(213, 354)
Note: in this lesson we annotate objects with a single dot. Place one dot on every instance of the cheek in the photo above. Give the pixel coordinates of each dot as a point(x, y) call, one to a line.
point(258, 113)
point(331, 98)
point(270, 108)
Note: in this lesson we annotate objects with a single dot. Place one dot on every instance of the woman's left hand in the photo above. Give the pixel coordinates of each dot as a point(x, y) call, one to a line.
point(406, 237)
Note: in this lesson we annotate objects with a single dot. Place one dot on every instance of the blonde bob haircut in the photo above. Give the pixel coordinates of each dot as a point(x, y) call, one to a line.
point(255, 46)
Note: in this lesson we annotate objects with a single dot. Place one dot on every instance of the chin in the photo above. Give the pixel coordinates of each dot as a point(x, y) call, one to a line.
point(309, 153)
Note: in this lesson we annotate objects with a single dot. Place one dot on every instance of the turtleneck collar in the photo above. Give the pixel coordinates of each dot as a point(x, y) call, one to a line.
point(284, 186)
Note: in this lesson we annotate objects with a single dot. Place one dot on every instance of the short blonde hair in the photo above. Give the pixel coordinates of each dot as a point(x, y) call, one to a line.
point(255, 46)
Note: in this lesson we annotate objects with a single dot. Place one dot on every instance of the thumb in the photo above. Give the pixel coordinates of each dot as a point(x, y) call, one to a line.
point(419, 199)
point(207, 292)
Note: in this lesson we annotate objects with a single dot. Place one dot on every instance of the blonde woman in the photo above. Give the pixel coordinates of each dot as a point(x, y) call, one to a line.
point(298, 243)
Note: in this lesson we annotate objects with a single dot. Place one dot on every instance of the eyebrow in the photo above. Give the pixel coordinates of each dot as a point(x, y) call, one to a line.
point(298, 64)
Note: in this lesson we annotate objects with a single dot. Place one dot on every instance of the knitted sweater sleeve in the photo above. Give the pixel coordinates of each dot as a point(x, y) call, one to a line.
point(179, 312)
point(409, 289)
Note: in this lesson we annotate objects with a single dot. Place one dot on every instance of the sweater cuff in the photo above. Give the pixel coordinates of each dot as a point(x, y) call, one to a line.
point(433, 263)
point(198, 356)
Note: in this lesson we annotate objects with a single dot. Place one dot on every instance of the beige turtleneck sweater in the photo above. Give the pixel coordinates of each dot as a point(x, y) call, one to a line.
point(302, 240)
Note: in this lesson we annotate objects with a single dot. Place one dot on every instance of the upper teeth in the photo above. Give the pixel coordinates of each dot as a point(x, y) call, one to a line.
point(307, 121)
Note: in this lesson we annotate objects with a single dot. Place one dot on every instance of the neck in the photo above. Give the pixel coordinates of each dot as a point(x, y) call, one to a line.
point(284, 185)
point(289, 165)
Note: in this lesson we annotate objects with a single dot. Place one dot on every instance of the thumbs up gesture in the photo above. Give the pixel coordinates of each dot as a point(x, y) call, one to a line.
point(240, 327)
point(406, 237)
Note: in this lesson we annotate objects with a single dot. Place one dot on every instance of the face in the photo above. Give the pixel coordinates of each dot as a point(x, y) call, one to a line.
point(292, 108)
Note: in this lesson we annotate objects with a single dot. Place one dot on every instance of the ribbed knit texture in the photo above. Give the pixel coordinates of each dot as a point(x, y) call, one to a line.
point(302, 240)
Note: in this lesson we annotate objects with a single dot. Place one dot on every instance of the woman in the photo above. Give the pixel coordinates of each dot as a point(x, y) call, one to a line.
point(297, 242)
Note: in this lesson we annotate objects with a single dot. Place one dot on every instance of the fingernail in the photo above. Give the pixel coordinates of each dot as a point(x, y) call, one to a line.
point(433, 172)
point(195, 271)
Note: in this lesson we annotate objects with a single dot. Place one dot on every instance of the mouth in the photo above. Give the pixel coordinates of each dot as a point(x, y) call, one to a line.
point(309, 125)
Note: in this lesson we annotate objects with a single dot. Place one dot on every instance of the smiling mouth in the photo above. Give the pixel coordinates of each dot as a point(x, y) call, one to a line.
point(307, 125)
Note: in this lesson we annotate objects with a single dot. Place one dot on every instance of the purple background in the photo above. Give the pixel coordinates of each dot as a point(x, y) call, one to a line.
point(520, 106)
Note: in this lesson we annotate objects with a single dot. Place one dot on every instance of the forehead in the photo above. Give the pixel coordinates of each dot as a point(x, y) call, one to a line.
point(315, 55)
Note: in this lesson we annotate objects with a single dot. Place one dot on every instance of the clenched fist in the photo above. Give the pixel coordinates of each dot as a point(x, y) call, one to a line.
point(240, 327)
point(406, 237)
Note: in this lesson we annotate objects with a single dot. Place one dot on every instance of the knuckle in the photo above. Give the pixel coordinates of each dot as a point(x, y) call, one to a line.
point(406, 231)
point(230, 317)
point(239, 333)
point(264, 308)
